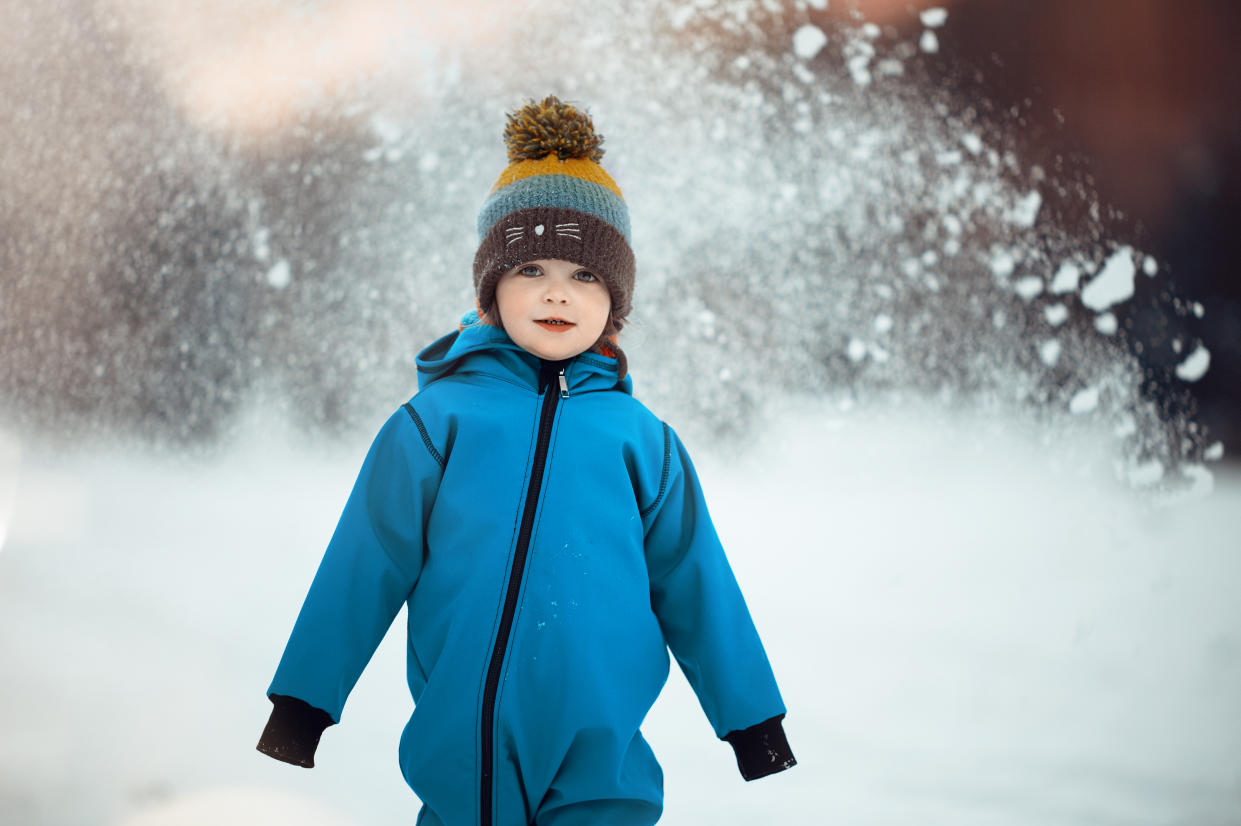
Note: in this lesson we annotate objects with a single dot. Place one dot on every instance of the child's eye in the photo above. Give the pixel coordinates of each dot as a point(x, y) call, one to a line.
point(585, 275)
point(531, 270)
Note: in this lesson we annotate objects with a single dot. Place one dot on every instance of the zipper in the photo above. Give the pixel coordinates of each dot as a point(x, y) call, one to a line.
point(547, 416)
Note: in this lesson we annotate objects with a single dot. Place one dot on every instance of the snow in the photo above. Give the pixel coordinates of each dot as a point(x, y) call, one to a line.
point(239, 805)
point(1113, 284)
point(808, 41)
point(1195, 364)
point(279, 275)
point(680, 16)
point(1002, 263)
point(888, 167)
point(385, 129)
point(1146, 473)
point(1056, 314)
point(969, 626)
point(262, 244)
point(1066, 278)
point(1084, 401)
point(1201, 480)
point(890, 67)
point(10, 457)
point(933, 18)
point(1049, 352)
point(858, 52)
point(1028, 287)
point(1214, 453)
point(1025, 212)
point(928, 43)
point(1106, 324)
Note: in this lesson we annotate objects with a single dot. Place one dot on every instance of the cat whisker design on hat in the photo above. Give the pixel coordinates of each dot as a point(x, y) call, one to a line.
point(570, 230)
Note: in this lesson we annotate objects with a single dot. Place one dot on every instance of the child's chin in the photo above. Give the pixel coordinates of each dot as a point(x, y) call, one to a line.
point(551, 347)
point(556, 355)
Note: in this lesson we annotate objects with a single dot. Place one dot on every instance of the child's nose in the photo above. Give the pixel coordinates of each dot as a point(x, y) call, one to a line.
point(556, 294)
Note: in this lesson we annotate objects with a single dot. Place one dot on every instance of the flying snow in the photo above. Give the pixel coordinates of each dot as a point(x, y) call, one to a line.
point(1113, 284)
point(808, 41)
point(1195, 365)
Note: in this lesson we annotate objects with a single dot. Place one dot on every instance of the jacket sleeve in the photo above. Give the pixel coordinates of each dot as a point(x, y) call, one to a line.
point(368, 571)
point(706, 623)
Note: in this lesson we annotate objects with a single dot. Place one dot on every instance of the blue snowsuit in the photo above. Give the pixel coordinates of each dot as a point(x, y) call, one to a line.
point(550, 540)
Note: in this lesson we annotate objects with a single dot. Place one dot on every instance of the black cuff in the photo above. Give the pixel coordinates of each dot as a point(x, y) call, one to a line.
point(761, 749)
point(293, 731)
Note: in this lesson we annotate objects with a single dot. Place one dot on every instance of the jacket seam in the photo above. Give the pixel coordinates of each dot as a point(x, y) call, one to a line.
point(422, 430)
point(519, 384)
point(598, 362)
point(663, 477)
point(463, 377)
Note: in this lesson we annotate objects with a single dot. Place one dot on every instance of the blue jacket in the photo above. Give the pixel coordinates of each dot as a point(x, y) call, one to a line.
point(551, 542)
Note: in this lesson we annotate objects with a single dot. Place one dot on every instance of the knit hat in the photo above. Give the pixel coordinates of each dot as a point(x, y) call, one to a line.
point(554, 200)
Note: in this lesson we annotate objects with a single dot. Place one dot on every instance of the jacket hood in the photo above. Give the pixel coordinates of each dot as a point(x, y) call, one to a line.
point(485, 349)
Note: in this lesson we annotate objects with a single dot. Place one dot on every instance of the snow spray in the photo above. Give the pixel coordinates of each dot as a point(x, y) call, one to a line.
point(819, 214)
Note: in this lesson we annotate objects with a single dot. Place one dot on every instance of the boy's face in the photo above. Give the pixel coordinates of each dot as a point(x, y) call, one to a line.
point(552, 308)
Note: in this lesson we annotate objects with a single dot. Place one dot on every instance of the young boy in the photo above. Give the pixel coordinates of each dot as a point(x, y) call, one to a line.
point(545, 530)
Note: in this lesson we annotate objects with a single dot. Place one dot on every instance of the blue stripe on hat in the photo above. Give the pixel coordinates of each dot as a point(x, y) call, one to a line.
point(558, 192)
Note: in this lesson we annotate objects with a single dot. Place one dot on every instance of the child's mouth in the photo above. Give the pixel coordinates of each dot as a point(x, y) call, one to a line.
point(555, 325)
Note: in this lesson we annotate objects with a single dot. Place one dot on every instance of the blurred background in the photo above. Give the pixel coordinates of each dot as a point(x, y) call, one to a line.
point(205, 204)
point(942, 290)
point(1145, 94)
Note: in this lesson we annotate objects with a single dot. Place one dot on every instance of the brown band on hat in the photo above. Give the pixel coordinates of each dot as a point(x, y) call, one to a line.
point(566, 234)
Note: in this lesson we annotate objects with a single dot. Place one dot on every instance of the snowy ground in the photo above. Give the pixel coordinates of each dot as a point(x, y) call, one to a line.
point(969, 629)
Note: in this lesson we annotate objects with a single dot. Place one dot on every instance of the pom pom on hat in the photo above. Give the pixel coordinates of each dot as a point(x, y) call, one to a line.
point(536, 130)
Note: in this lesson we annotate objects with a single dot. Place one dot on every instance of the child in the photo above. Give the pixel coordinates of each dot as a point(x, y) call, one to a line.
point(546, 532)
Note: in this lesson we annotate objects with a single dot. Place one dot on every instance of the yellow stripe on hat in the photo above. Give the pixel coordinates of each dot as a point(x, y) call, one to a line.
point(582, 168)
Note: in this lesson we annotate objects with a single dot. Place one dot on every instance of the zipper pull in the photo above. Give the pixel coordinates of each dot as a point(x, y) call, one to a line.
point(564, 385)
